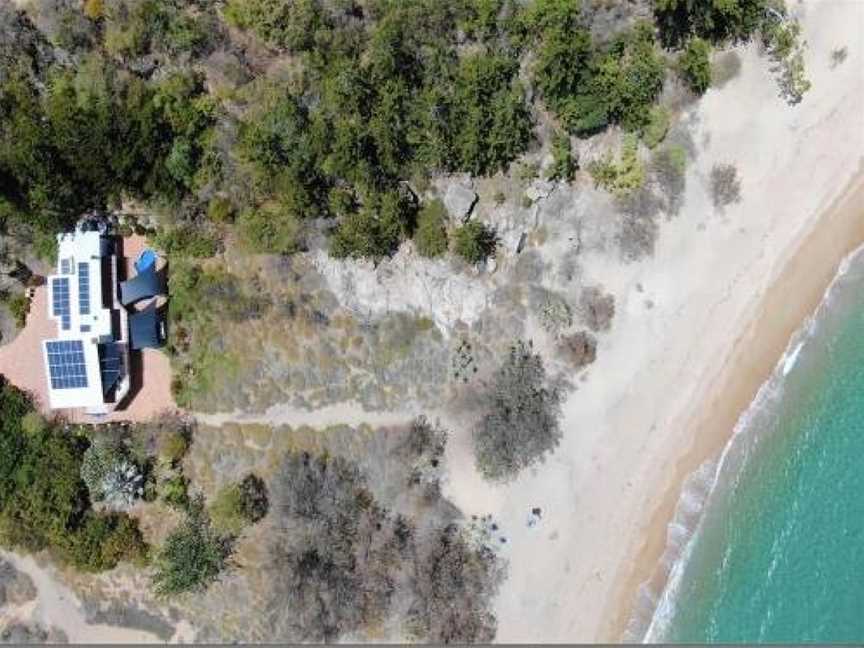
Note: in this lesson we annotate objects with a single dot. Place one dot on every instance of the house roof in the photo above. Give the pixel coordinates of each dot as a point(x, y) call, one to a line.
point(144, 328)
point(141, 286)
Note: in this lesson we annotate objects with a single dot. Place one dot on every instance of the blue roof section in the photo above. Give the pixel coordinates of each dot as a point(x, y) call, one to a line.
point(66, 366)
point(144, 328)
point(141, 286)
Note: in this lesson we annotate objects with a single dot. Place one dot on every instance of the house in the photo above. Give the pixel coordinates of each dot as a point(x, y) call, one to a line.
point(88, 364)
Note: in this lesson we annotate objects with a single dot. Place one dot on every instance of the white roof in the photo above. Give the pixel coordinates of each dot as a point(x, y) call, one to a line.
point(76, 290)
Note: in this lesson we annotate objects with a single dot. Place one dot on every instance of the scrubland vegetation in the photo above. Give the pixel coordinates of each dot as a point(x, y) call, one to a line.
point(365, 96)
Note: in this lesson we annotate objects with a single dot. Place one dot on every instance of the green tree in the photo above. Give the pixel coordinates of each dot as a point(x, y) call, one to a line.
point(694, 65)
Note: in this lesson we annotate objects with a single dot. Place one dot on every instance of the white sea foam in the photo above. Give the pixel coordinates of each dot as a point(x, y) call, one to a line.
point(653, 611)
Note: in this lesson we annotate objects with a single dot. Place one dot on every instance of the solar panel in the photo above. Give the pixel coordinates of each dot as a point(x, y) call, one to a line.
point(65, 266)
point(60, 297)
point(84, 288)
point(66, 366)
point(110, 364)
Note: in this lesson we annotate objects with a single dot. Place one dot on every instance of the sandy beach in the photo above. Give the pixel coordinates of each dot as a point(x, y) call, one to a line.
point(698, 328)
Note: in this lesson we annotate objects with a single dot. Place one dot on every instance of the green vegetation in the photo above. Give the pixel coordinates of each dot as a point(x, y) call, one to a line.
point(201, 301)
point(564, 163)
point(694, 65)
point(238, 505)
point(193, 556)
point(474, 242)
point(18, 304)
point(624, 175)
point(110, 103)
point(657, 127)
point(431, 235)
point(44, 503)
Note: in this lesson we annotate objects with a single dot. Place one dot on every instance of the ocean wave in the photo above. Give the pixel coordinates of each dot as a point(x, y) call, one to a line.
point(654, 610)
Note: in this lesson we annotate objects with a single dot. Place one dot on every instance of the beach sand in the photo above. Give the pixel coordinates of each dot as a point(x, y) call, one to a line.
point(698, 328)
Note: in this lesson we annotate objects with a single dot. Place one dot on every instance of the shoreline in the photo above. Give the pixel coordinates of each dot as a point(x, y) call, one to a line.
point(807, 272)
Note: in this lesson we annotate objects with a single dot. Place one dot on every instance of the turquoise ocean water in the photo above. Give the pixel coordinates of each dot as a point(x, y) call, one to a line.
point(774, 551)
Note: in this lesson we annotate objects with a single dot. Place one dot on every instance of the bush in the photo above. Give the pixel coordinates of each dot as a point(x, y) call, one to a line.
point(334, 551)
point(43, 501)
point(474, 242)
point(193, 555)
point(270, 229)
point(19, 307)
point(623, 176)
point(694, 65)
point(578, 349)
point(725, 187)
point(657, 127)
point(564, 163)
point(186, 240)
point(597, 309)
point(110, 475)
point(173, 446)
point(431, 235)
point(521, 421)
point(239, 505)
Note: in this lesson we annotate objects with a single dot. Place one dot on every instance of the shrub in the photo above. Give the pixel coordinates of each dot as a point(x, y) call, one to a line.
point(174, 491)
point(521, 421)
point(431, 235)
point(173, 446)
point(474, 242)
point(103, 541)
point(725, 187)
point(270, 229)
point(19, 307)
point(564, 163)
point(334, 551)
point(43, 501)
point(110, 476)
point(578, 349)
point(623, 176)
point(186, 240)
point(668, 166)
point(193, 555)
point(694, 65)
point(657, 127)
point(238, 505)
point(597, 309)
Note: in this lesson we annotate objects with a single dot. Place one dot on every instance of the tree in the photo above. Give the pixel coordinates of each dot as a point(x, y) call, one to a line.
point(474, 242)
point(521, 421)
point(694, 65)
point(193, 555)
point(431, 234)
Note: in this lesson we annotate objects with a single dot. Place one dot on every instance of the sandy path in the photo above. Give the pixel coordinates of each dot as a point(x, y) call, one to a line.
point(338, 414)
point(727, 291)
point(57, 606)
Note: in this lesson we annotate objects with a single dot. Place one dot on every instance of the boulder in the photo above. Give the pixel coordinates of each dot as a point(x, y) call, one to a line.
point(459, 201)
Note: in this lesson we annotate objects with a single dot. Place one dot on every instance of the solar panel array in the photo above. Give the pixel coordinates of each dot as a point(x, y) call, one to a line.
point(110, 364)
point(84, 288)
point(60, 301)
point(66, 366)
